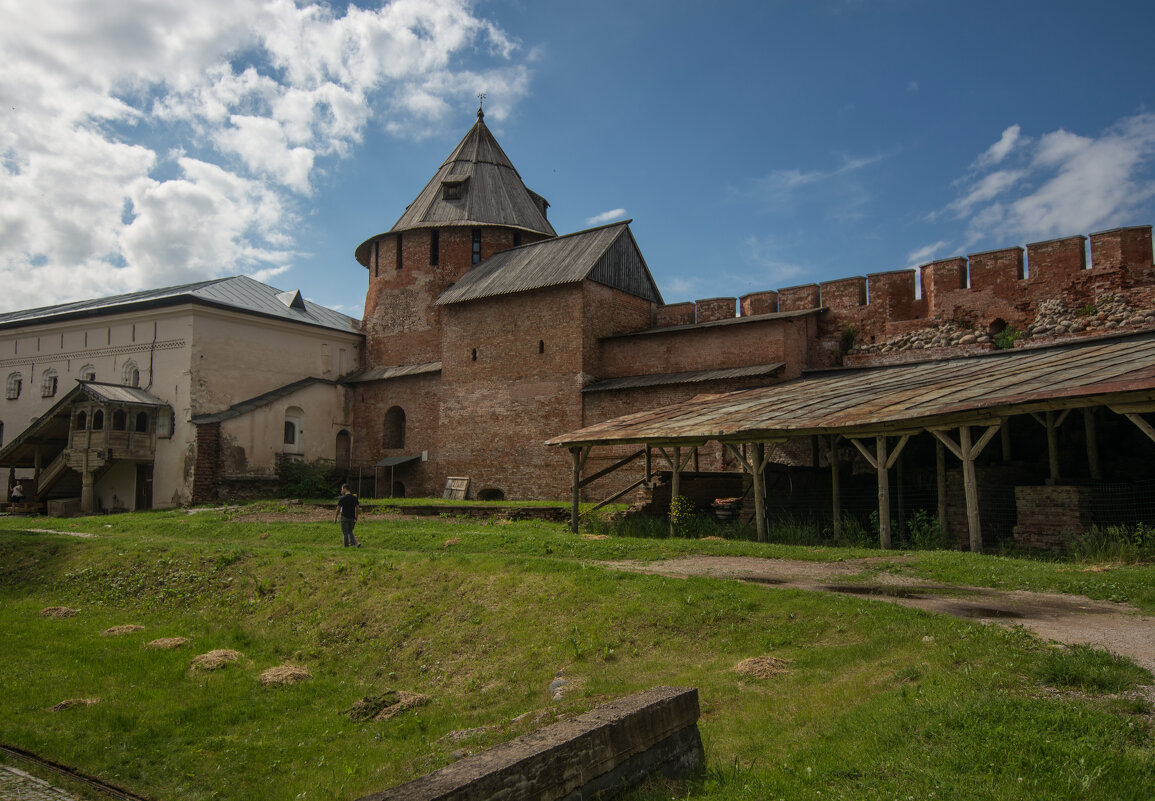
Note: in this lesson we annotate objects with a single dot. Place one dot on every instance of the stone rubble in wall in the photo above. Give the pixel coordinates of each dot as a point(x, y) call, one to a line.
point(1109, 312)
point(943, 335)
point(1053, 319)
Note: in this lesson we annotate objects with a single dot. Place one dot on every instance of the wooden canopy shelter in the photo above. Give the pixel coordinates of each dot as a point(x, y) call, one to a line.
point(962, 402)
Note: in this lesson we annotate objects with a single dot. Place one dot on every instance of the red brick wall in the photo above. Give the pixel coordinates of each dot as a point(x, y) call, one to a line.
point(419, 398)
point(707, 311)
point(401, 323)
point(798, 298)
point(523, 388)
point(759, 303)
point(674, 314)
point(709, 348)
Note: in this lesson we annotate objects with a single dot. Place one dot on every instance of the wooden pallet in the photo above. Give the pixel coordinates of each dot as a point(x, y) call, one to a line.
point(456, 488)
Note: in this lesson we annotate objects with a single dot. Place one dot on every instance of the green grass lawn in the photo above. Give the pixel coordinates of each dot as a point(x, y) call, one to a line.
point(876, 701)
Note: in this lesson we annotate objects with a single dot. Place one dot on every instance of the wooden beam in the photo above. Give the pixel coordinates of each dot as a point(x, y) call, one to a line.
point(867, 455)
point(1092, 441)
point(759, 459)
point(616, 465)
point(970, 485)
point(883, 493)
point(940, 476)
point(897, 450)
point(835, 488)
point(1143, 425)
point(579, 455)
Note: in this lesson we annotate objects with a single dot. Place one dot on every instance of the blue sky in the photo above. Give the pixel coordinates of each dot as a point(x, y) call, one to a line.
point(755, 145)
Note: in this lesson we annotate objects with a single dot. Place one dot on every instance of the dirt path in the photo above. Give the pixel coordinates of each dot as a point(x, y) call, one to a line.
point(1070, 619)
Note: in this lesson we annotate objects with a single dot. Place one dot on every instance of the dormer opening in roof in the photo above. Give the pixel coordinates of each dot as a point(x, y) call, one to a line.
point(292, 299)
point(453, 187)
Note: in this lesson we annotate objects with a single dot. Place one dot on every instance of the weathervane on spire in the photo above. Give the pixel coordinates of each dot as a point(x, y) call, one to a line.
point(480, 102)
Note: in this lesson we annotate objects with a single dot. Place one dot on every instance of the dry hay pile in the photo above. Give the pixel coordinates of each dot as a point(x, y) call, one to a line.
point(595, 536)
point(167, 643)
point(285, 674)
point(451, 541)
point(762, 667)
point(57, 611)
point(71, 703)
point(386, 705)
point(127, 628)
point(215, 659)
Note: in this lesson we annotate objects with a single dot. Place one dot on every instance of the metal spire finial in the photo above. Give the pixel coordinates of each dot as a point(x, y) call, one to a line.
point(480, 102)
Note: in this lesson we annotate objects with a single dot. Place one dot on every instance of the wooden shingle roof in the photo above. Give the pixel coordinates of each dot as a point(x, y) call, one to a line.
point(476, 185)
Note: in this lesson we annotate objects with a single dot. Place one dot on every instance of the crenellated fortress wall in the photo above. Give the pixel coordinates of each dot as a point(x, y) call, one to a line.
point(1047, 291)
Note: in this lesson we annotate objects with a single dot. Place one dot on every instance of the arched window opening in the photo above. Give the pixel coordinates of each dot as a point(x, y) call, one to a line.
point(48, 384)
point(119, 420)
point(81, 421)
point(491, 494)
point(88, 373)
point(344, 448)
point(398, 490)
point(141, 423)
point(294, 429)
point(476, 245)
point(98, 420)
point(393, 436)
point(541, 346)
point(473, 357)
point(131, 374)
point(15, 384)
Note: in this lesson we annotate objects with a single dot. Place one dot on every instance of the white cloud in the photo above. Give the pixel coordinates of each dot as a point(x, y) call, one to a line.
point(157, 141)
point(1062, 184)
point(606, 216)
point(999, 150)
point(926, 253)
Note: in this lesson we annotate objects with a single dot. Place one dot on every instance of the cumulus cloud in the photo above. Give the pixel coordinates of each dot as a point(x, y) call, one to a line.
point(159, 141)
point(926, 253)
point(1060, 184)
point(607, 216)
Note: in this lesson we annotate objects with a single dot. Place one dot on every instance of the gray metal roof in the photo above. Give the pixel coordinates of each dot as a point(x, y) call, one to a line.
point(744, 320)
point(901, 397)
point(690, 377)
point(492, 192)
point(239, 293)
point(608, 255)
point(385, 373)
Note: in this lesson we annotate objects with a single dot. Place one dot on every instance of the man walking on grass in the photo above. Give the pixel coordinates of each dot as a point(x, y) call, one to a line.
point(347, 515)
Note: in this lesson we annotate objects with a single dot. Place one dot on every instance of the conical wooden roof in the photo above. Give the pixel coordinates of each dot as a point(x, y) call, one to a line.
point(476, 185)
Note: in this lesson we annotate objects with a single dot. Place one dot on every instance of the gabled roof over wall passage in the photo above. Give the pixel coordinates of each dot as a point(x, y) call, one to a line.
point(900, 397)
point(608, 255)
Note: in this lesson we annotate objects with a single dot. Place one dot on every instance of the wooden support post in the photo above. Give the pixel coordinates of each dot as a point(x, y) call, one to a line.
point(883, 493)
point(900, 512)
point(1092, 443)
point(940, 476)
point(36, 473)
point(1052, 446)
point(675, 484)
point(649, 464)
point(966, 451)
point(970, 485)
point(835, 489)
point(759, 464)
point(882, 462)
point(579, 459)
point(695, 460)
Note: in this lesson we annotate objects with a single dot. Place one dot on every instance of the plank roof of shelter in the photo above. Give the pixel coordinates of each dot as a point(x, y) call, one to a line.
point(491, 192)
point(396, 371)
point(874, 400)
point(237, 293)
point(608, 255)
point(256, 402)
point(689, 377)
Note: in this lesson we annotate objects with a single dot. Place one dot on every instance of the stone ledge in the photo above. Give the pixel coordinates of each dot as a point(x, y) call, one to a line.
point(605, 751)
